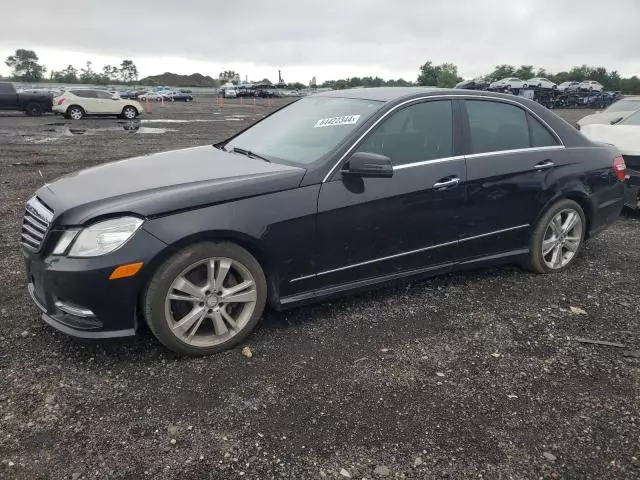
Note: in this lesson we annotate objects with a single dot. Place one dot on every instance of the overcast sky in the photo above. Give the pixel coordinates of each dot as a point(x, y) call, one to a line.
point(328, 39)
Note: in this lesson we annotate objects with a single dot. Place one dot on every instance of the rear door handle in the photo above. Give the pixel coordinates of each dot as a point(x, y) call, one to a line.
point(444, 183)
point(544, 164)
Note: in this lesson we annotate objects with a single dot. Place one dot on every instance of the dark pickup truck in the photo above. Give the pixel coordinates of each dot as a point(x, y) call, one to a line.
point(32, 103)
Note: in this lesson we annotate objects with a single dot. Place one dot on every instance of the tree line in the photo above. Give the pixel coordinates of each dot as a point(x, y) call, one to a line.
point(26, 67)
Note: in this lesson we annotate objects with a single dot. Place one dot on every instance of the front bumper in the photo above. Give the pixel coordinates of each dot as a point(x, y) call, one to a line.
point(76, 296)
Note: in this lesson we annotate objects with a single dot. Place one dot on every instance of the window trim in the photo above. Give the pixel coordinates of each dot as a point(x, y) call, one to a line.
point(454, 135)
point(427, 97)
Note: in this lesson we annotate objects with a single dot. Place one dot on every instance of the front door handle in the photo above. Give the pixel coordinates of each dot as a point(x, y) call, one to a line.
point(446, 183)
point(544, 164)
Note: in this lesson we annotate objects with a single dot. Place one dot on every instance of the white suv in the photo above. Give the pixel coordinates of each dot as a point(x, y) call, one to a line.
point(591, 85)
point(77, 103)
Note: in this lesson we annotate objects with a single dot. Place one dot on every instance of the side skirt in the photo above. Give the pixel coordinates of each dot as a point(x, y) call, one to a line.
point(369, 283)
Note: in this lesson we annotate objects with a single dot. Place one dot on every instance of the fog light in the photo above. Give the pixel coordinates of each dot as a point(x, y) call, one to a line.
point(74, 310)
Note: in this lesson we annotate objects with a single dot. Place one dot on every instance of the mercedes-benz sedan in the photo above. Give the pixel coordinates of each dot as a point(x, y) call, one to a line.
point(337, 192)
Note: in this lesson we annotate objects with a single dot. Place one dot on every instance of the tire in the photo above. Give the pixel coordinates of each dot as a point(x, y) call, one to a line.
point(205, 317)
point(129, 112)
point(74, 112)
point(34, 109)
point(545, 236)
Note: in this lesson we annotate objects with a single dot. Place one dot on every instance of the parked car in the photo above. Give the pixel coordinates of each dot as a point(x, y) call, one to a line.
point(568, 86)
point(613, 113)
point(31, 103)
point(475, 84)
point(512, 83)
point(180, 97)
point(540, 82)
point(229, 93)
point(334, 193)
point(591, 85)
point(77, 103)
point(155, 96)
point(625, 135)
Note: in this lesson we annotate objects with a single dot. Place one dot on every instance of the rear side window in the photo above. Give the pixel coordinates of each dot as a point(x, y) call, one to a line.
point(84, 93)
point(423, 131)
point(6, 88)
point(104, 95)
point(540, 136)
point(495, 126)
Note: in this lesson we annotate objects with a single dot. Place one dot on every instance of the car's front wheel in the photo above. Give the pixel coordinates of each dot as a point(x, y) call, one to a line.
point(206, 298)
point(558, 237)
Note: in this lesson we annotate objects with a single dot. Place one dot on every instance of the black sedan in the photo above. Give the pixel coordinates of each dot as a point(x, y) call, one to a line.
point(180, 97)
point(337, 192)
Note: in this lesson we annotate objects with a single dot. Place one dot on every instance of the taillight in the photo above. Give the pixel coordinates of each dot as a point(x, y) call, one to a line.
point(619, 168)
point(61, 100)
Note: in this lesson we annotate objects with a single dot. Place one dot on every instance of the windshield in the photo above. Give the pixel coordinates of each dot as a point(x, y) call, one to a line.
point(304, 131)
point(633, 119)
point(624, 106)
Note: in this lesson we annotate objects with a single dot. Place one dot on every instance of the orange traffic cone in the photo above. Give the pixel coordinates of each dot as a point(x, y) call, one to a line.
point(148, 105)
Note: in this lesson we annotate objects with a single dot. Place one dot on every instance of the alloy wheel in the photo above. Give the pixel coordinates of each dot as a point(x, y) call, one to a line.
point(210, 301)
point(75, 114)
point(562, 238)
point(129, 113)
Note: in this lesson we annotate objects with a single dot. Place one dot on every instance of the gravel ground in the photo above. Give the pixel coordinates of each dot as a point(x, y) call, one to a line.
point(470, 375)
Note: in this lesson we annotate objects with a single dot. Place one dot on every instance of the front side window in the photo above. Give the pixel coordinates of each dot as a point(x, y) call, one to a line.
point(306, 130)
point(420, 132)
point(495, 126)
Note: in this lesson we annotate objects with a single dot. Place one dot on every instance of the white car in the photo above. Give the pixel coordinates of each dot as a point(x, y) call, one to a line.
point(157, 96)
point(568, 86)
point(591, 85)
point(613, 113)
point(540, 82)
point(230, 93)
point(625, 135)
point(77, 103)
point(512, 82)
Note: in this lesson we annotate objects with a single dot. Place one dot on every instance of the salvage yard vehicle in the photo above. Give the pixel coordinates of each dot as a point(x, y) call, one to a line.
point(540, 82)
point(568, 86)
point(512, 83)
point(591, 85)
point(613, 113)
point(625, 135)
point(33, 103)
point(337, 192)
point(78, 103)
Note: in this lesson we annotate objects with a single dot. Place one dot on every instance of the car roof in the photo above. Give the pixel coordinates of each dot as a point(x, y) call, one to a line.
point(391, 94)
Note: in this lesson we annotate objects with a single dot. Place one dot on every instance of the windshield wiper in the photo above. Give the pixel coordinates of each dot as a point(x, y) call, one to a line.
point(249, 154)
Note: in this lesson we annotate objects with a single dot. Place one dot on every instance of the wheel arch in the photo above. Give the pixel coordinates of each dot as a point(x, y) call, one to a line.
point(580, 197)
point(75, 105)
point(252, 245)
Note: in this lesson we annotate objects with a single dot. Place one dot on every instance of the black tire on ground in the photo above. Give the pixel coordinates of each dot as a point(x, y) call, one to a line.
point(155, 295)
point(74, 112)
point(536, 261)
point(129, 112)
point(34, 109)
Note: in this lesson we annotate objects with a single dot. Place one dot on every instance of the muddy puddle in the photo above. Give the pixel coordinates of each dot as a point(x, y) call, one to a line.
point(58, 130)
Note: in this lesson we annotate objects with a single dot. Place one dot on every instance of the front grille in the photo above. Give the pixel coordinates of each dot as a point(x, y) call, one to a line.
point(37, 217)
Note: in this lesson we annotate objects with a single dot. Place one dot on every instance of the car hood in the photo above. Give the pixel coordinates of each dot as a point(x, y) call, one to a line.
point(160, 183)
point(625, 137)
point(604, 118)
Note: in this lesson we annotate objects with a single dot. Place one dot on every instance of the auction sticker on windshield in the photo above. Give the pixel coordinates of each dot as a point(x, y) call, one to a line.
point(334, 121)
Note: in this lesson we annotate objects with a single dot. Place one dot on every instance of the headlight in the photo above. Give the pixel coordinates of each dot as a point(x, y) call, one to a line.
point(104, 237)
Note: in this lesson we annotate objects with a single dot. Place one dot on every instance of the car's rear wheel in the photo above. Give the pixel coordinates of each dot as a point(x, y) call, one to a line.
point(558, 237)
point(206, 298)
point(129, 113)
point(75, 112)
point(34, 109)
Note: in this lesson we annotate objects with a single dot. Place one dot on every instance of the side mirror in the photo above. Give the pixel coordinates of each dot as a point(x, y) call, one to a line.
point(365, 164)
